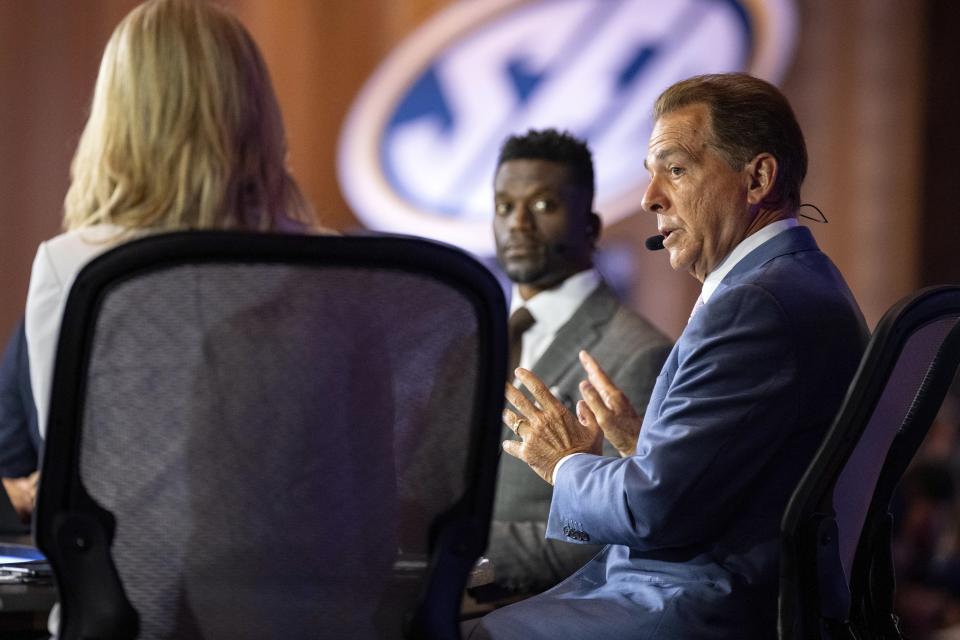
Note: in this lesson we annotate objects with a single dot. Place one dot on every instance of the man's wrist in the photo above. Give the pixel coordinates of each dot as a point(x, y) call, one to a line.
point(560, 463)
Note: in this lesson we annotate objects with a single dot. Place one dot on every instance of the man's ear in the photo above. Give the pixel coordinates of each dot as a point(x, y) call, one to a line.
point(762, 173)
point(594, 226)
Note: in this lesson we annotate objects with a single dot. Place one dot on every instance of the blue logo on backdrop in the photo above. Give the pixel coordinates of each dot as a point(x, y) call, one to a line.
point(418, 149)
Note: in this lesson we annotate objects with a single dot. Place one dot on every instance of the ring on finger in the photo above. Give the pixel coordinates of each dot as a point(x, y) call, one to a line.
point(516, 426)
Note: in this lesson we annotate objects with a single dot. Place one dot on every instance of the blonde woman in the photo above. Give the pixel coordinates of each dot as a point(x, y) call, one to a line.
point(184, 133)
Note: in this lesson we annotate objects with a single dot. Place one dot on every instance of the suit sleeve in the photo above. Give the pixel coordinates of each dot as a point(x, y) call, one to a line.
point(730, 402)
point(524, 559)
point(18, 457)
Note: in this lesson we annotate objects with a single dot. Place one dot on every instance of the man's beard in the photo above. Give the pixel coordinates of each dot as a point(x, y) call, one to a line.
point(526, 273)
point(547, 267)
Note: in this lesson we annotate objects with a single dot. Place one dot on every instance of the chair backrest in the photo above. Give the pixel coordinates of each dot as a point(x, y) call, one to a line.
point(836, 572)
point(272, 436)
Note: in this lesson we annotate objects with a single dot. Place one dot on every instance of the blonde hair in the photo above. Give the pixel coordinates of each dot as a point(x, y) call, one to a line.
point(184, 130)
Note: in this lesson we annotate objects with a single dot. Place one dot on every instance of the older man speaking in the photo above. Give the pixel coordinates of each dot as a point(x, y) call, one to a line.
point(744, 399)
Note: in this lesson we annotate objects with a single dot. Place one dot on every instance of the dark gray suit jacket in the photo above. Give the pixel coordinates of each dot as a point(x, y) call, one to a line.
point(632, 352)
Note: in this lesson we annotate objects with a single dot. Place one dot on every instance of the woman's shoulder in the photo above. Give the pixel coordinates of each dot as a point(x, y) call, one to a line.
point(94, 236)
point(64, 254)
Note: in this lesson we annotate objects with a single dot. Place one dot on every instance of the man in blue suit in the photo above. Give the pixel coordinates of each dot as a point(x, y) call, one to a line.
point(745, 397)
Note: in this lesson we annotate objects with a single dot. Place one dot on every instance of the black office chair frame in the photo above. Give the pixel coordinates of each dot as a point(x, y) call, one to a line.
point(75, 533)
point(814, 600)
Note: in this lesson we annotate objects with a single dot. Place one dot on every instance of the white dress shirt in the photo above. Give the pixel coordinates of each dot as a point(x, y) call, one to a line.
point(713, 279)
point(551, 309)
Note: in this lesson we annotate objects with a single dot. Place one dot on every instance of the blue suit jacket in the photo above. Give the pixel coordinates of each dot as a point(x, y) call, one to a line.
point(741, 405)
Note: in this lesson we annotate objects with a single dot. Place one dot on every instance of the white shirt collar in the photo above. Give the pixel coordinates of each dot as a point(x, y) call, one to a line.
point(748, 244)
point(553, 307)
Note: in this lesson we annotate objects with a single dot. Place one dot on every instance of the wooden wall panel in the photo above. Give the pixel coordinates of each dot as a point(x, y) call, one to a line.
point(856, 86)
point(49, 53)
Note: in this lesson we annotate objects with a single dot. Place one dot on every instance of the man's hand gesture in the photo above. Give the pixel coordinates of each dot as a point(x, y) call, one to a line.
point(546, 428)
point(604, 407)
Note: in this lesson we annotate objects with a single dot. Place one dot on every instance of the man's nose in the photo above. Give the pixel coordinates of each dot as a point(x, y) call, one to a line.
point(522, 218)
point(654, 200)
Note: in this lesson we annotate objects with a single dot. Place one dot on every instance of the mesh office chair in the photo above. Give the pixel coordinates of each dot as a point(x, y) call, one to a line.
point(272, 436)
point(836, 568)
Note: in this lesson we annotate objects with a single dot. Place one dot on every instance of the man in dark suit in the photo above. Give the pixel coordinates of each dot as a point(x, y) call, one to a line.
point(747, 393)
point(546, 232)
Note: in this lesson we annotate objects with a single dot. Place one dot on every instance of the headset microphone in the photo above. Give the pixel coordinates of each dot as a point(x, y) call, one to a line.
point(654, 243)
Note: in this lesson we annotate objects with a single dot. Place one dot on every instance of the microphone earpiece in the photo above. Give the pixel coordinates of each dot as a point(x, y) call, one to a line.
point(654, 243)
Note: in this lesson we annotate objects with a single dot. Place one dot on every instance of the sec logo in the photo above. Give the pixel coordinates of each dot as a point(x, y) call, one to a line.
point(418, 147)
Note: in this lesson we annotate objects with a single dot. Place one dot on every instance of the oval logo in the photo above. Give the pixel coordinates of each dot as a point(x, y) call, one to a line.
point(418, 149)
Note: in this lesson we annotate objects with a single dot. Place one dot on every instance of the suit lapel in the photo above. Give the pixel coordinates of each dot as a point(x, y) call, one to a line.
point(581, 331)
point(790, 241)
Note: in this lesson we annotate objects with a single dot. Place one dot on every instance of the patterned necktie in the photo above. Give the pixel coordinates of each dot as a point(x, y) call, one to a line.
point(520, 321)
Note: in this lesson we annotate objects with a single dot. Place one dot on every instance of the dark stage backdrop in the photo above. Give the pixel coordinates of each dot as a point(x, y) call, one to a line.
point(857, 83)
